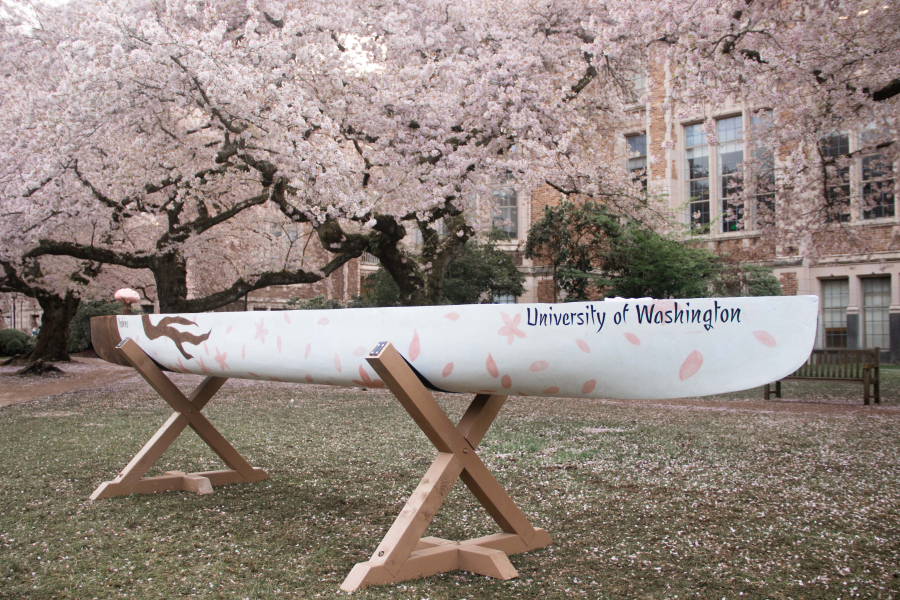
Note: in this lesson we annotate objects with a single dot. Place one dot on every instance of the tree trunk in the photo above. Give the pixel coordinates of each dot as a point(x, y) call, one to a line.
point(170, 273)
point(52, 341)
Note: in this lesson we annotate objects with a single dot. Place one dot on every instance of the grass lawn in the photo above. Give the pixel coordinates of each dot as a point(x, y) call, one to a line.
point(724, 497)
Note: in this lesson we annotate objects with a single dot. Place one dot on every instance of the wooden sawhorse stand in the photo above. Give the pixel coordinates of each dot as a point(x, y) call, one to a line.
point(187, 413)
point(403, 553)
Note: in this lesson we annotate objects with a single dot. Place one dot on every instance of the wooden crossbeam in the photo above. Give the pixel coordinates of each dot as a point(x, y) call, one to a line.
point(187, 414)
point(403, 553)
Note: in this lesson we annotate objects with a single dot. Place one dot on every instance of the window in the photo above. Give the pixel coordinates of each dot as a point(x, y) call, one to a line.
point(729, 156)
point(508, 219)
point(832, 149)
point(835, 299)
point(876, 300)
point(697, 167)
point(638, 87)
point(637, 158)
point(504, 299)
point(764, 171)
point(877, 182)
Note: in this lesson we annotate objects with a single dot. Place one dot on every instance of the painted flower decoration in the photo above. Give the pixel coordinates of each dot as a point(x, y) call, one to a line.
point(261, 332)
point(511, 327)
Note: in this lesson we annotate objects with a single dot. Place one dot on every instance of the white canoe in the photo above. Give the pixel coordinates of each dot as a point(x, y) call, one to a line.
point(607, 349)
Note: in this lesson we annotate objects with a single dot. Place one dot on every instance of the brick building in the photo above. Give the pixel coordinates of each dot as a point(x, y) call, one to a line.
point(859, 294)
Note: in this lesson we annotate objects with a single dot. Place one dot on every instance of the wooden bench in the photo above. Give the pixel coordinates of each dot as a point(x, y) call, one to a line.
point(839, 365)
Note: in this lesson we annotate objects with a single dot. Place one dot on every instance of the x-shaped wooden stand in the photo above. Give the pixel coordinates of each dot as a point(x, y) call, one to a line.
point(403, 553)
point(187, 413)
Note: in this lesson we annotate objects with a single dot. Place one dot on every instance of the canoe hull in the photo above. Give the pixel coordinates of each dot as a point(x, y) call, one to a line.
point(607, 349)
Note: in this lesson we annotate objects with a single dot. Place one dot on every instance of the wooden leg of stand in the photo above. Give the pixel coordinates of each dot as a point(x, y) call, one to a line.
point(403, 554)
point(187, 413)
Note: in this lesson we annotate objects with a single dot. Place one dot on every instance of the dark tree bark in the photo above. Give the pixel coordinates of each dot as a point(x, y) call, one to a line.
point(52, 341)
point(58, 310)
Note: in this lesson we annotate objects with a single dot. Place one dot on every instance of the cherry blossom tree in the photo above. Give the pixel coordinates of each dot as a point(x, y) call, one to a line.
point(811, 69)
point(153, 128)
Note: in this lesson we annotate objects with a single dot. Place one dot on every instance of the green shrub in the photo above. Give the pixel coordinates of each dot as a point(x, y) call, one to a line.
point(317, 303)
point(80, 327)
point(14, 342)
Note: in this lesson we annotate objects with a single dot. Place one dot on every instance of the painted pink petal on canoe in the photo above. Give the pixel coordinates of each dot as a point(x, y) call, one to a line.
point(323, 321)
point(506, 381)
point(180, 365)
point(220, 358)
point(244, 351)
point(137, 338)
point(538, 366)
point(491, 366)
point(414, 347)
point(358, 382)
point(306, 353)
point(588, 386)
point(583, 345)
point(377, 383)
point(765, 338)
point(287, 319)
point(661, 306)
point(278, 343)
point(691, 365)
point(309, 378)
point(252, 374)
point(364, 376)
point(205, 348)
point(203, 367)
point(360, 351)
point(551, 390)
point(337, 362)
point(230, 327)
point(633, 339)
point(452, 316)
point(448, 368)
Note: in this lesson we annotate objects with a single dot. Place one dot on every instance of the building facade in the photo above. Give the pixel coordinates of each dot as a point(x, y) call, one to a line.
point(859, 294)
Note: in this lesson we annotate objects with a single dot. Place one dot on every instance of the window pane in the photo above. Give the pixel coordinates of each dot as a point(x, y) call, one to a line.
point(838, 178)
point(876, 301)
point(637, 158)
point(877, 187)
point(835, 299)
point(764, 173)
point(507, 221)
point(697, 175)
point(730, 155)
point(638, 86)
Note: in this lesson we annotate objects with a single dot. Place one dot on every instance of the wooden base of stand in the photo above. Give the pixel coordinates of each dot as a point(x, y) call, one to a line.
point(187, 414)
point(488, 556)
point(403, 553)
